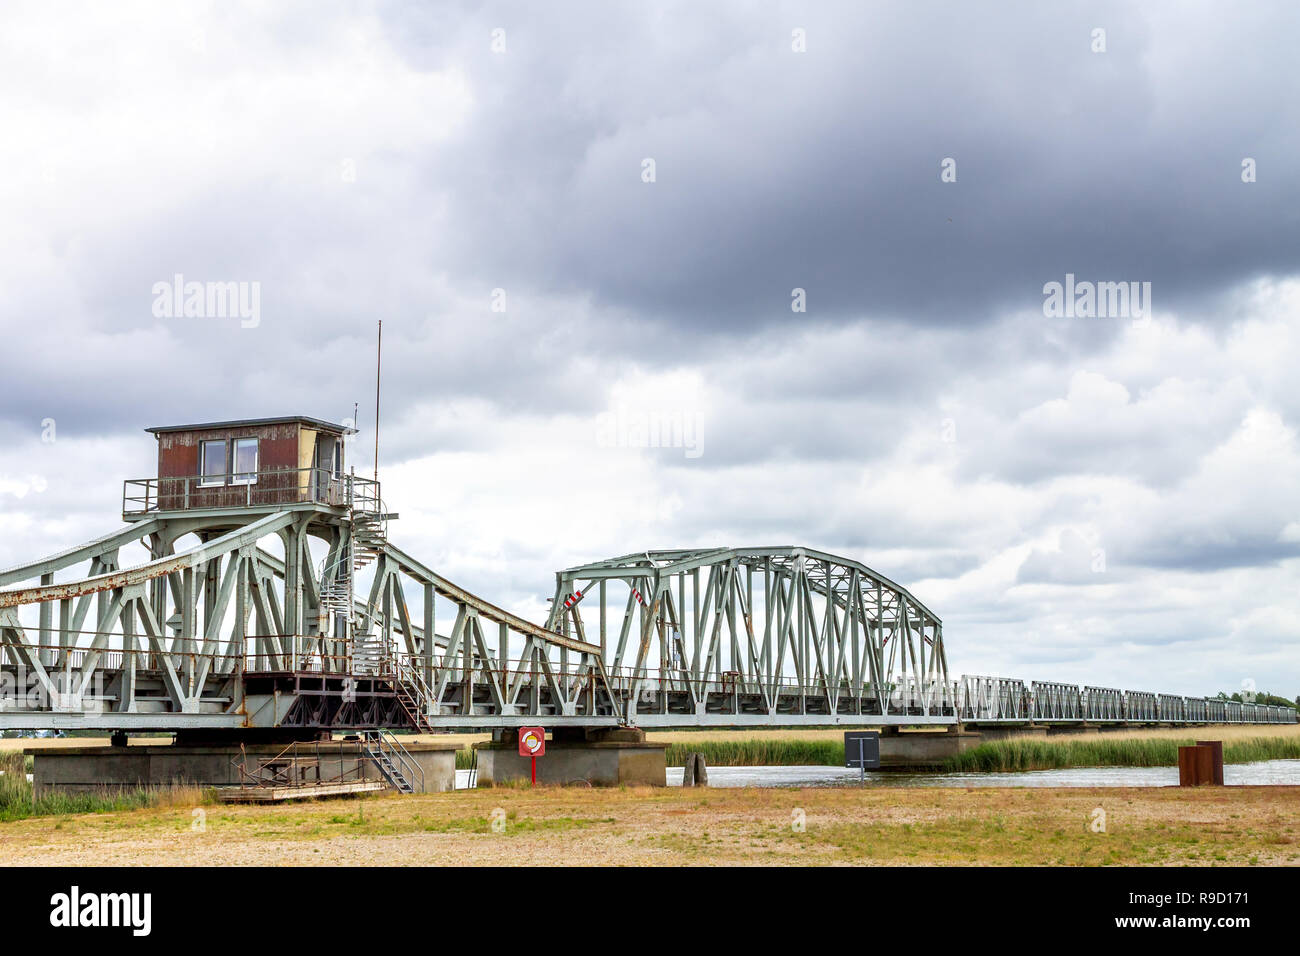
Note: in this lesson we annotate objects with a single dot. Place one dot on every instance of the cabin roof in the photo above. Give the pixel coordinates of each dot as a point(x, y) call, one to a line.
point(317, 423)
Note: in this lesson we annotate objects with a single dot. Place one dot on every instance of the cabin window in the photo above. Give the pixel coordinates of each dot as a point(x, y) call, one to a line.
point(245, 471)
point(338, 459)
point(212, 463)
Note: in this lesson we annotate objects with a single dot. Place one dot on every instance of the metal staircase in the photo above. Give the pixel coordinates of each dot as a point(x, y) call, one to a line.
point(412, 692)
point(368, 525)
point(369, 535)
point(367, 654)
point(393, 761)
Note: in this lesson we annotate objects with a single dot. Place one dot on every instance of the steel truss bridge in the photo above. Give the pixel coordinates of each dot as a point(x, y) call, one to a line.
point(233, 624)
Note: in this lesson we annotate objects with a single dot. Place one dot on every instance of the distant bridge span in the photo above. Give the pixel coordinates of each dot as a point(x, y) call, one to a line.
point(233, 624)
point(791, 636)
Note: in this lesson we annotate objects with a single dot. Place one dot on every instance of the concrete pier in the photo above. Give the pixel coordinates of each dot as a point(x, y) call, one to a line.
point(922, 749)
point(92, 769)
point(596, 757)
point(927, 749)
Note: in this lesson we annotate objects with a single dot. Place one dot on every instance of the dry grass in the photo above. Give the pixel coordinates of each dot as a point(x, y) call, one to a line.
point(558, 826)
point(32, 743)
point(1224, 732)
point(465, 740)
point(691, 736)
point(1216, 732)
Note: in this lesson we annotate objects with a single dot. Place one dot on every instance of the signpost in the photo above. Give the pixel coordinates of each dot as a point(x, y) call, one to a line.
point(862, 750)
point(532, 744)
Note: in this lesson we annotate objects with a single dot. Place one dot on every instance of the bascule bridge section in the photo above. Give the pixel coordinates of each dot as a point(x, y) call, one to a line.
point(268, 605)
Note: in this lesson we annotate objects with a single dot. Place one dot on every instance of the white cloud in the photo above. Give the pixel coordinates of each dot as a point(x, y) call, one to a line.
point(979, 457)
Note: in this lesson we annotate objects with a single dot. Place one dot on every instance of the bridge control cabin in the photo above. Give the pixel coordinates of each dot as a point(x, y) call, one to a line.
point(253, 463)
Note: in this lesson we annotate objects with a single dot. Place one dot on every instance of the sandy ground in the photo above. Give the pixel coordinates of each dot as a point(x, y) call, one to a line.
point(562, 826)
point(653, 826)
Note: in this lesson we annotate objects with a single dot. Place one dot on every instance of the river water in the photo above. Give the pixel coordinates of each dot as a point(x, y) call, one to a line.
point(1264, 772)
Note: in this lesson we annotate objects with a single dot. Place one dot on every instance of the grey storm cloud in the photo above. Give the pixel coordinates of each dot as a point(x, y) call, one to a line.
point(775, 170)
point(821, 170)
point(923, 415)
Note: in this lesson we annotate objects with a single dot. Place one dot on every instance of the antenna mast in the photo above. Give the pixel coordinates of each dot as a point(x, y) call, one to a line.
point(379, 354)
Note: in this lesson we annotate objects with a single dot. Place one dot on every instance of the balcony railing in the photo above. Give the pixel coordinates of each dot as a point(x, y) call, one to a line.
point(264, 489)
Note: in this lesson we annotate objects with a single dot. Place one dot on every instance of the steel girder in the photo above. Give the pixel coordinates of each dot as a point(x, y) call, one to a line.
point(226, 634)
point(759, 635)
point(137, 666)
point(493, 668)
point(994, 700)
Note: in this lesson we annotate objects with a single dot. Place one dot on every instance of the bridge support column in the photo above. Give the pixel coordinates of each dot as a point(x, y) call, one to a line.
point(599, 757)
point(922, 749)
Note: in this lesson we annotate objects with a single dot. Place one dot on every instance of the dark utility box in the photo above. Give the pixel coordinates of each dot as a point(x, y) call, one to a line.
point(862, 749)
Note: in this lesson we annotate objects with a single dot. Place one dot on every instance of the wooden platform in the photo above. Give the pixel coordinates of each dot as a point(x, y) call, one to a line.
point(277, 794)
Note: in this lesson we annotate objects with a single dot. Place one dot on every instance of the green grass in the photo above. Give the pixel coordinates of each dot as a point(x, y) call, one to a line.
point(464, 759)
point(1035, 754)
point(760, 753)
point(14, 788)
point(17, 801)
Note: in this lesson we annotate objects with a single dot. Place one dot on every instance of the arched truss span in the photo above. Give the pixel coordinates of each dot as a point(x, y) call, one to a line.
point(779, 635)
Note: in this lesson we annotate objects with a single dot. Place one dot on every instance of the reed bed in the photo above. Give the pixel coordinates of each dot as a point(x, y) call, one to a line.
point(1136, 748)
point(18, 802)
point(1011, 755)
point(757, 752)
point(14, 788)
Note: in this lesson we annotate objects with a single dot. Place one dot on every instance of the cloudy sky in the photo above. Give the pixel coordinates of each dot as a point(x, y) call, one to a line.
point(577, 219)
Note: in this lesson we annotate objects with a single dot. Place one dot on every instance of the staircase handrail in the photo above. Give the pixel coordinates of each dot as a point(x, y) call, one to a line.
point(408, 673)
point(386, 743)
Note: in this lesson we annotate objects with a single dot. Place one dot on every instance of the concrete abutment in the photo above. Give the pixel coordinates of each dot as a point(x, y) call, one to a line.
point(598, 757)
point(97, 769)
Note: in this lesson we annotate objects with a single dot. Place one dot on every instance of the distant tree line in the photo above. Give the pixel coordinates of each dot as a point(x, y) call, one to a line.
point(1260, 699)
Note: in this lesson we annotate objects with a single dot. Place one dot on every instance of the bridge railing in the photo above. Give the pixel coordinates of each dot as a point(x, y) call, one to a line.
point(1140, 705)
point(107, 655)
point(281, 486)
point(1171, 707)
point(1055, 701)
point(653, 687)
point(993, 698)
point(85, 672)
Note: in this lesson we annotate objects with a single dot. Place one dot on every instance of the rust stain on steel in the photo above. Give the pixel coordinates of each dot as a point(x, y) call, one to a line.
point(179, 486)
point(178, 452)
point(101, 582)
point(146, 572)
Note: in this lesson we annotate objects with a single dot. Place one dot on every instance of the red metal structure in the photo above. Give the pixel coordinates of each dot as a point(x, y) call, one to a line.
point(248, 463)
